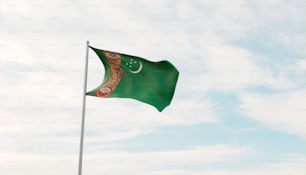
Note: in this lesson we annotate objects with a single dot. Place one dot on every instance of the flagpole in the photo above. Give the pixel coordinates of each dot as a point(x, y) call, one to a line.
point(83, 112)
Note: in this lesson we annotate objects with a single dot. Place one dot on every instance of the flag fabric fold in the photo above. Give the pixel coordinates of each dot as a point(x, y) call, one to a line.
point(134, 77)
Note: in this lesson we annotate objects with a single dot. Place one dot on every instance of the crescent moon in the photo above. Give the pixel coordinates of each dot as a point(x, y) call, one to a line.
point(138, 70)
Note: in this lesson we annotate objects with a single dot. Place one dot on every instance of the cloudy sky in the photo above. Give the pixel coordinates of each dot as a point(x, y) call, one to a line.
point(239, 107)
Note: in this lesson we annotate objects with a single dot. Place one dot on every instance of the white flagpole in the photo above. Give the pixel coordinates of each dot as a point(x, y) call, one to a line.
point(83, 112)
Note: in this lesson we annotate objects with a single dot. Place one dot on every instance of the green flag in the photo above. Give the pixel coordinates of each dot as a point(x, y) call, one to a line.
point(129, 76)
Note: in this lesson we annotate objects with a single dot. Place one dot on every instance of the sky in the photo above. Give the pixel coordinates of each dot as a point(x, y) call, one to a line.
point(239, 106)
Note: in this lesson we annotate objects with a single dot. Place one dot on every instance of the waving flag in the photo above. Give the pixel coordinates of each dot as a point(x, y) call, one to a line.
point(133, 77)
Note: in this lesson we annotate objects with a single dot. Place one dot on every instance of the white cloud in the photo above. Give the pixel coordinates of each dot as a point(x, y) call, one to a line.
point(281, 111)
point(292, 166)
point(140, 163)
point(229, 68)
point(23, 164)
point(118, 162)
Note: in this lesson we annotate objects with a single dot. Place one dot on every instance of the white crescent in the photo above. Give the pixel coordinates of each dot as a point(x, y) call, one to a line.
point(138, 70)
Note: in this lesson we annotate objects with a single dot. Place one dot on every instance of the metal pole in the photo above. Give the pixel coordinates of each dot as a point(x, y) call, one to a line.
point(83, 112)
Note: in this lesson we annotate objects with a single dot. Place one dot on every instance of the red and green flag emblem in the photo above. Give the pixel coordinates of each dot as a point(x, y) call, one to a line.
point(133, 77)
